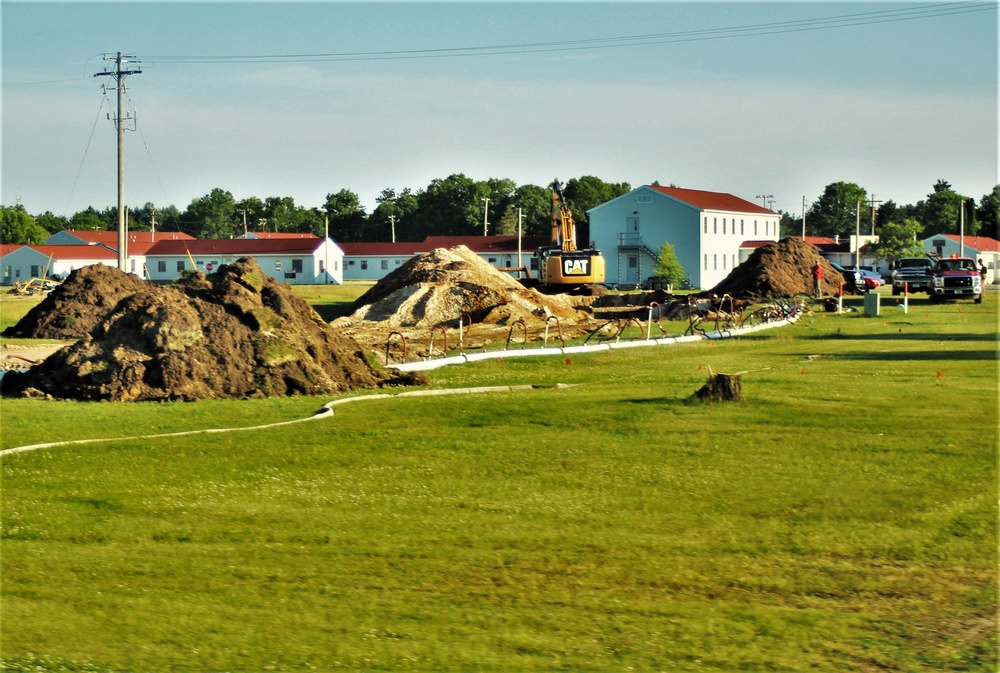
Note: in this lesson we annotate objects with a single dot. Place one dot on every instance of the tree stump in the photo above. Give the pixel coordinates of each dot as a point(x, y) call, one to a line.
point(721, 388)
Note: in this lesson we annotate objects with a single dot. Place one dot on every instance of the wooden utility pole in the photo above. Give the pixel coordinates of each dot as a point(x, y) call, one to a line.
point(119, 75)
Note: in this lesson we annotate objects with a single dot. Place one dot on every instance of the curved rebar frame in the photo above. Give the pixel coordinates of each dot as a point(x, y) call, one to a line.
point(510, 334)
point(444, 336)
point(558, 326)
point(388, 342)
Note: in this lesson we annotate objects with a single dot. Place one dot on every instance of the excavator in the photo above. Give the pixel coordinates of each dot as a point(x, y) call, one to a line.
point(561, 266)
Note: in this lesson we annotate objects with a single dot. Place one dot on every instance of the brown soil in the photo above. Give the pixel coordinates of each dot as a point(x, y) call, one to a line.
point(83, 300)
point(444, 286)
point(234, 334)
point(782, 269)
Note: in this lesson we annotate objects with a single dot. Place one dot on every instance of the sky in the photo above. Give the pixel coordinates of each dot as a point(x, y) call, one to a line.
point(767, 101)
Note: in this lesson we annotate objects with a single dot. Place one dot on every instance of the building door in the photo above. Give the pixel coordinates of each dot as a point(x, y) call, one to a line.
point(632, 236)
point(632, 270)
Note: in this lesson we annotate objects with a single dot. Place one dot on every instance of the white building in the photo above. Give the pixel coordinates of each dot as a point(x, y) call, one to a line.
point(297, 261)
point(373, 261)
point(24, 262)
point(706, 229)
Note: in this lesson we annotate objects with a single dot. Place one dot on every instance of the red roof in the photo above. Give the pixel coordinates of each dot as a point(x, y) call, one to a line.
point(712, 200)
point(500, 244)
point(402, 249)
point(282, 234)
point(755, 244)
point(110, 238)
point(980, 243)
point(477, 244)
point(61, 252)
point(237, 246)
point(8, 247)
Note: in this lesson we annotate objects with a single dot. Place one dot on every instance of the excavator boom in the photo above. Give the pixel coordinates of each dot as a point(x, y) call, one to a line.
point(562, 264)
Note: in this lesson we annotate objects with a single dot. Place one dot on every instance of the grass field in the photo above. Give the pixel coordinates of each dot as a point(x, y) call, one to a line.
point(842, 517)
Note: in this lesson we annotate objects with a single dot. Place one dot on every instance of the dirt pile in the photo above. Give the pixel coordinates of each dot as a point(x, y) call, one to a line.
point(75, 306)
point(782, 269)
point(234, 334)
point(445, 285)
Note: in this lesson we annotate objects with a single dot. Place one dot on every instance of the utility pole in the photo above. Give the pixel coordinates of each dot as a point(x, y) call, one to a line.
point(392, 224)
point(119, 74)
point(857, 237)
point(872, 201)
point(803, 217)
point(486, 213)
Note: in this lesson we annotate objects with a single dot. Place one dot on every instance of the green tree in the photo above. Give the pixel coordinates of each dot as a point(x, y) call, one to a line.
point(17, 226)
point(348, 221)
point(250, 212)
point(941, 213)
point(212, 215)
point(988, 213)
point(835, 212)
point(898, 239)
point(668, 268)
point(392, 215)
point(536, 209)
point(52, 223)
point(585, 193)
point(88, 220)
point(448, 207)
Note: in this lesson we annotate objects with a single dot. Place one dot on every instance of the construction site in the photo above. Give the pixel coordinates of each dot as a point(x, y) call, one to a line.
point(237, 333)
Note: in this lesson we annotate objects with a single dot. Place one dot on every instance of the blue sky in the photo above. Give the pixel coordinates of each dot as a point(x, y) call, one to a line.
point(748, 98)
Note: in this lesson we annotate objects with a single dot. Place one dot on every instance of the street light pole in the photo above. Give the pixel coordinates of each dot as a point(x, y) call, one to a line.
point(486, 213)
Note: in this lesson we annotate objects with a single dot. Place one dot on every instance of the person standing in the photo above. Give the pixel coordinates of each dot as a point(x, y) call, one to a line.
point(817, 280)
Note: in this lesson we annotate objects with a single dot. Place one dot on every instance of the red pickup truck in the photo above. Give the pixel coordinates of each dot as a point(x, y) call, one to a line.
point(956, 278)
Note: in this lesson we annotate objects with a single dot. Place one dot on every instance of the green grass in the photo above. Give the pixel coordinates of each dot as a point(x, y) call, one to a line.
point(842, 517)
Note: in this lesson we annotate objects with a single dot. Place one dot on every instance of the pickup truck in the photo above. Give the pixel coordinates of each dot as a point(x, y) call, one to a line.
point(956, 278)
point(912, 272)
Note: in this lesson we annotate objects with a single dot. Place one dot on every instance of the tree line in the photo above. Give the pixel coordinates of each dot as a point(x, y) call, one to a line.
point(458, 205)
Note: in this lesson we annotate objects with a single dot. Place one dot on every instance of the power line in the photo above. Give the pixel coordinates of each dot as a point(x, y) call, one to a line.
point(749, 30)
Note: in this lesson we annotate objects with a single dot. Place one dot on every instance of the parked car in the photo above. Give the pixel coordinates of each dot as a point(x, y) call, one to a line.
point(872, 279)
point(854, 280)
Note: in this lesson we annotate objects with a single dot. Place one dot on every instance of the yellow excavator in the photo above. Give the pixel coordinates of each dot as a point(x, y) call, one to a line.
point(561, 265)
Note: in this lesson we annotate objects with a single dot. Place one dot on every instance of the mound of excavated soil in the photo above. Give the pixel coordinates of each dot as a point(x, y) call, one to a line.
point(234, 334)
point(445, 285)
point(782, 269)
point(72, 309)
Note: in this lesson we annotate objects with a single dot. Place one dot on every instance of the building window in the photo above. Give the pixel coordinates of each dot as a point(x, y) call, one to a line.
point(741, 228)
point(297, 265)
point(35, 270)
point(715, 262)
point(706, 261)
point(180, 265)
point(715, 225)
point(724, 267)
point(364, 265)
point(385, 265)
point(161, 266)
point(321, 267)
point(277, 265)
point(6, 272)
point(491, 260)
point(706, 224)
point(755, 227)
point(723, 225)
point(644, 198)
point(397, 262)
point(336, 265)
point(350, 262)
point(200, 262)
